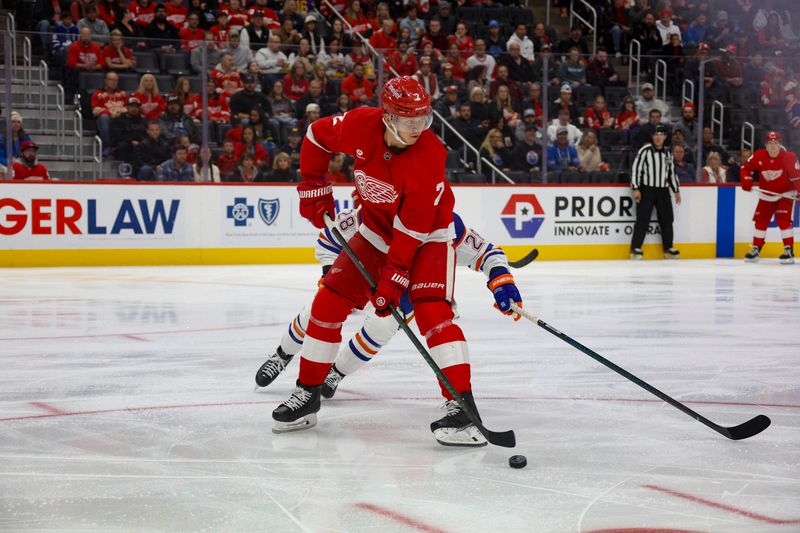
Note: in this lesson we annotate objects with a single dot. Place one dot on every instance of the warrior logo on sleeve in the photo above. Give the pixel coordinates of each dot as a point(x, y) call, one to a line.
point(373, 190)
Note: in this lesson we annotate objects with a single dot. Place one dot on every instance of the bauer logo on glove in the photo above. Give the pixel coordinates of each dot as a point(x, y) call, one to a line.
point(505, 291)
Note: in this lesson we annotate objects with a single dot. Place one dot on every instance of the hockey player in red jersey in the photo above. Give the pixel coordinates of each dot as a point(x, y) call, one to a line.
point(778, 183)
point(404, 241)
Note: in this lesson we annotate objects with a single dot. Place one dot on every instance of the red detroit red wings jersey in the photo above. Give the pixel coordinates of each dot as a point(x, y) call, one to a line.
point(405, 192)
point(774, 174)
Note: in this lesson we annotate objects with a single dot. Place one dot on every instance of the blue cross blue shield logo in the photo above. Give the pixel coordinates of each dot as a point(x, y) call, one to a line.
point(240, 212)
point(269, 209)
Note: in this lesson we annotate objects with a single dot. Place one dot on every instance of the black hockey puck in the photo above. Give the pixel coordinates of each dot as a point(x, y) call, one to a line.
point(517, 461)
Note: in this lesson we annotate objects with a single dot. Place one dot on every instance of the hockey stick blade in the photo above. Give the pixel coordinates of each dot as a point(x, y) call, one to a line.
point(505, 439)
point(533, 254)
point(742, 431)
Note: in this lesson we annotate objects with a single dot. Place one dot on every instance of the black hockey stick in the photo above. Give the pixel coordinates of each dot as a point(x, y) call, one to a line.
point(752, 427)
point(504, 438)
point(533, 254)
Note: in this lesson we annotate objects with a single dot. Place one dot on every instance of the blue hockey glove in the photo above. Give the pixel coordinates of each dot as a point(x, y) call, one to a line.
point(501, 283)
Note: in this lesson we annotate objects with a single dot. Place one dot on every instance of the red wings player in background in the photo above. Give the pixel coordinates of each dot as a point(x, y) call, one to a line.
point(778, 182)
point(404, 241)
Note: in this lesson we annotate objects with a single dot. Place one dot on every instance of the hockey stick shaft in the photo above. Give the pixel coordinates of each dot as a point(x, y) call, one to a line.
point(743, 431)
point(504, 438)
point(524, 261)
point(789, 195)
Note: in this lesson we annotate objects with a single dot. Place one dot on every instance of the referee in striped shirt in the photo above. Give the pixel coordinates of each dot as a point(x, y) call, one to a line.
point(652, 177)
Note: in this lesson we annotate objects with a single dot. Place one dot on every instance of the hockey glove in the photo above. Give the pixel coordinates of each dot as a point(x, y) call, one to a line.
point(747, 183)
point(316, 199)
point(505, 292)
point(392, 284)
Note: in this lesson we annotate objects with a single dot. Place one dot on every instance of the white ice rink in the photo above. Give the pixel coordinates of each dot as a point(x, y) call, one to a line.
point(128, 405)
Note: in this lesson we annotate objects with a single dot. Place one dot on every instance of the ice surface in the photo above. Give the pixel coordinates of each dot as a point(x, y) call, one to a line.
point(128, 404)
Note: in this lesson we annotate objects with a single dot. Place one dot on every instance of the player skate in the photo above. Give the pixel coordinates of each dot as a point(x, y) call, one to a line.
point(455, 428)
point(753, 255)
point(273, 366)
point(299, 411)
point(331, 382)
point(788, 256)
point(636, 254)
point(672, 253)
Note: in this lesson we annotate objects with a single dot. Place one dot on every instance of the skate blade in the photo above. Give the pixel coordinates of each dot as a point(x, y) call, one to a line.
point(306, 422)
point(469, 436)
point(789, 261)
point(673, 257)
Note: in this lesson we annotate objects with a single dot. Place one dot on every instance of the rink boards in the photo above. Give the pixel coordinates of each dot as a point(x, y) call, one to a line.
point(65, 224)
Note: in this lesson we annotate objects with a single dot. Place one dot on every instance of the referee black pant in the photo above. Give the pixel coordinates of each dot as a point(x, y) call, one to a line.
point(658, 197)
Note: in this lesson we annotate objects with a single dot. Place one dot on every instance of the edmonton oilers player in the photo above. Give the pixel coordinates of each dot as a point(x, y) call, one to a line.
point(404, 241)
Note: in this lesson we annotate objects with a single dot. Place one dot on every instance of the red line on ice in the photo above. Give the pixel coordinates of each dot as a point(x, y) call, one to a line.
point(52, 409)
point(722, 506)
point(397, 517)
point(360, 399)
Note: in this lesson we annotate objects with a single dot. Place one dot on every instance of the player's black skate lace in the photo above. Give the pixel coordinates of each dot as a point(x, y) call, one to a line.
point(788, 256)
point(455, 416)
point(753, 254)
point(270, 370)
point(303, 401)
point(332, 381)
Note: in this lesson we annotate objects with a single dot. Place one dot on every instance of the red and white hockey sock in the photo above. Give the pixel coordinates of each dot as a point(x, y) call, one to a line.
point(323, 335)
point(759, 235)
point(788, 236)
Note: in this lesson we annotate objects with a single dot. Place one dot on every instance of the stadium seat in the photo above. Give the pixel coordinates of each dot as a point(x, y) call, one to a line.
point(521, 15)
point(519, 176)
point(585, 95)
point(165, 82)
point(146, 62)
point(91, 81)
point(602, 177)
point(615, 96)
point(740, 116)
point(496, 13)
point(174, 64)
point(794, 139)
point(772, 117)
point(129, 82)
point(453, 161)
point(196, 84)
point(470, 14)
point(222, 130)
point(607, 137)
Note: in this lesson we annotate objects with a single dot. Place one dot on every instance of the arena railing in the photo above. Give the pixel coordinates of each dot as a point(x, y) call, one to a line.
point(661, 80)
point(60, 118)
point(44, 83)
point(717, 120)
point(27, 57)
point(634, 57)
point(11, 28)
point(687, 87)
point(592, 26)
point(77, 131)
point(745, 141)
point(97, 157)
point(700, 115)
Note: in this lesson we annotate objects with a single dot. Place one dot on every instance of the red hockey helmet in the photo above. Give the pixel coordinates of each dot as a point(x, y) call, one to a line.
point(773, 136)
point(405, 97)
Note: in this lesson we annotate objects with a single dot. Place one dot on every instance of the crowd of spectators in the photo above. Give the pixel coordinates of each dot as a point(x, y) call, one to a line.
point(276, 67)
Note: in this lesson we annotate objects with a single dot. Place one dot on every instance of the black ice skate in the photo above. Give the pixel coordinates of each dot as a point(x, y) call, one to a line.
point(331, 382)
point(299, 411)
point(636, 254)
point(672, 253)
point(455, 428)
point(753, 255)
point(272, 367)
point(788, 256)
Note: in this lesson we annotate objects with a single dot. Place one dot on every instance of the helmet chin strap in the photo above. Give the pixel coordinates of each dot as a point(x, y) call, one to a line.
point(393, 131)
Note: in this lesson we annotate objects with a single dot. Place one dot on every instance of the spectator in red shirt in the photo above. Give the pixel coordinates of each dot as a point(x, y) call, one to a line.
point(628, 118)
point(226, 76)
point(82, 56)
point(465, 43)
point(110, 11)
point(176, 13)
point(26, 168)
point(238, 18)
point(221, 29)
point(271, 19)
point(436, 36)
point(383, 40)
point(598, 116)
point(192, 35)
point(251, 145)
point(116, 56)
point(357, 87)
point(189, 101)
point(403, 62)
point(153, 104)
point(355, 16)
point(227, 160)
point(295, 83)
point(218, 110)
point(143, 11)
point(108, 104)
